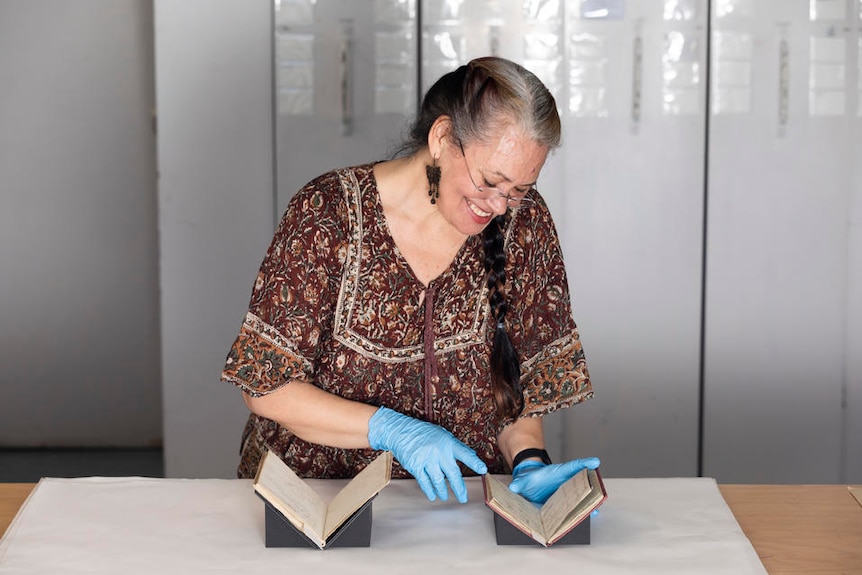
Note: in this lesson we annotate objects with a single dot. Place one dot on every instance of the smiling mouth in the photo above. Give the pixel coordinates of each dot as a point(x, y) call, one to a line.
point(475, 209)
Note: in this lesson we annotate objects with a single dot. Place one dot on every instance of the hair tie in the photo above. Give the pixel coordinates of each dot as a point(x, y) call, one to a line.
point(501, 325)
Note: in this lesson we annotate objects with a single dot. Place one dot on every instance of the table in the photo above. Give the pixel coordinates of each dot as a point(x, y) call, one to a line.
point(795, 529)
point(800, 529)
point(12, 495)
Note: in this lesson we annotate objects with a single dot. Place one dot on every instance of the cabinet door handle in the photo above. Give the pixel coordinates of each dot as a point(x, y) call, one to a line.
point(783, 82)
point(494, 40)
point(347, 78)
point(637, 80)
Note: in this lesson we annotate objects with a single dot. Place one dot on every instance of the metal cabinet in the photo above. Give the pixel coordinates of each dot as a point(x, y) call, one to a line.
point(781, 250)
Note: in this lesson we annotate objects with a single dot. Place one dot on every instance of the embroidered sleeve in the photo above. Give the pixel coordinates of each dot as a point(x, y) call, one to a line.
point(554, 373)
point(294, 293)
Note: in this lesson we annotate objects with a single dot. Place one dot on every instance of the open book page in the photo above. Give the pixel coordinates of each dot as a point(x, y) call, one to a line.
point(288, 493)
point(559, 506)
point(361, 488)
point(517, 510)
point(571, 503)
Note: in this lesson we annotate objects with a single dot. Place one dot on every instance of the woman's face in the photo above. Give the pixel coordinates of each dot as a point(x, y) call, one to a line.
point(510, 162)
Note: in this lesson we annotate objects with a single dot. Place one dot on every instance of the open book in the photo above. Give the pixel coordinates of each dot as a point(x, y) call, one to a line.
point(563, 511)
point(310, 515)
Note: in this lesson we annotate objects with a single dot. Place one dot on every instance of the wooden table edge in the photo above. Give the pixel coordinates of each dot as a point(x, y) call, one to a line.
point(800, 529)
point(12, 497)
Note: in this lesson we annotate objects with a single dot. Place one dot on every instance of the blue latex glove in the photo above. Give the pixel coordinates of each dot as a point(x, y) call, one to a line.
point(536, 481)
point(429, 452)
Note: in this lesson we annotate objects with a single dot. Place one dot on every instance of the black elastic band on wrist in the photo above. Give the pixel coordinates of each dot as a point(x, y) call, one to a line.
point(531, 452)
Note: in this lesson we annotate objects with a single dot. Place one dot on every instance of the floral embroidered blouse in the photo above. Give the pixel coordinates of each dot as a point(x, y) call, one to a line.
point(335, 304)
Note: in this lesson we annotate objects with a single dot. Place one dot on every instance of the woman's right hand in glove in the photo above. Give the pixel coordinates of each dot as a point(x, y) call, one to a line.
point(427, 451)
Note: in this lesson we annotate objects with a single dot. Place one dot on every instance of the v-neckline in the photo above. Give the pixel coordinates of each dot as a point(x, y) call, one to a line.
point(383, 223)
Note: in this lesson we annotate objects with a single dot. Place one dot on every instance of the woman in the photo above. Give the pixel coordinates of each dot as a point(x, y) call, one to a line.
point(420, 305)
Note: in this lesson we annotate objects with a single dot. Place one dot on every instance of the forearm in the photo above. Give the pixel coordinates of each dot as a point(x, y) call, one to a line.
point(315, 415)
point(523, 433)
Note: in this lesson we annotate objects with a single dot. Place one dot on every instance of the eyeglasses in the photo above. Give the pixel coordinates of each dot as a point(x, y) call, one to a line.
point(513, 201)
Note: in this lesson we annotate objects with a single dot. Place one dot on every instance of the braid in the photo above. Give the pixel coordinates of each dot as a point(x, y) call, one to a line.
point(505, 367)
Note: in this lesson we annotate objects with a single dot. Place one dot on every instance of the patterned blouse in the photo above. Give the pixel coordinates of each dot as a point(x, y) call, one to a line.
point(337, 305)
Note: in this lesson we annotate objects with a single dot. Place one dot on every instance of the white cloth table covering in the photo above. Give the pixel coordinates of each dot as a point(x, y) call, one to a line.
point(144, 526)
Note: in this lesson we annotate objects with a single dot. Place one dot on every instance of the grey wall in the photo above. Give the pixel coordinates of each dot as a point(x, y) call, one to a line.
point(215, 154)
point(79, 354)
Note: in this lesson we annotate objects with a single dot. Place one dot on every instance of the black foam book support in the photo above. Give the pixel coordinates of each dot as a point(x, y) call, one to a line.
point(508, 534)
point(280, 532)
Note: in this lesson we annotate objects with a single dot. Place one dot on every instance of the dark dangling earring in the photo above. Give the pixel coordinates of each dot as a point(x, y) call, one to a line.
point(432, 172)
